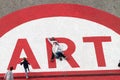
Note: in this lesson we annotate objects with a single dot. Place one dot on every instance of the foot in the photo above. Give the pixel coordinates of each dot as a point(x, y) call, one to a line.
point(27, 77)
point(60, 59)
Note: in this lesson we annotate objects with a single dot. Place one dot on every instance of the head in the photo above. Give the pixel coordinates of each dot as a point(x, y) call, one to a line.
point(11, 68)
point(24, 58)
point(52, 39)
point(56, 43)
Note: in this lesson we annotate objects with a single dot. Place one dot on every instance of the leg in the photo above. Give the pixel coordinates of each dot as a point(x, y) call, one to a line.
point(59, 55)
point(62, 55)
point(28, 69)
point(26, 74)
point(53, 56)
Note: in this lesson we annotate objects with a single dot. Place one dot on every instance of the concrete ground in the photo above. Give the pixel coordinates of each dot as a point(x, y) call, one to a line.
point(110, 6)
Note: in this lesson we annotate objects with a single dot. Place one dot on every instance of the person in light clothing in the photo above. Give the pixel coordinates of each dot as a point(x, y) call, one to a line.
point(9, 74)
point(57, 51)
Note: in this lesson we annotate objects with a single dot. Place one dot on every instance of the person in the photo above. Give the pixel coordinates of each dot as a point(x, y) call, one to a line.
point(57, 51)
point(9, 74)
point(25, 64)
point(119, 64)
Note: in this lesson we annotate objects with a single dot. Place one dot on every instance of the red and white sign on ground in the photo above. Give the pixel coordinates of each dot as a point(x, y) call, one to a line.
point(89, 37)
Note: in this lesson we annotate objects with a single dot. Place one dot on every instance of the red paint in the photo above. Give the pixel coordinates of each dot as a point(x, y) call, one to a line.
point(68, 10)
point(15, 59)
point(97, 41)
point(71, 48)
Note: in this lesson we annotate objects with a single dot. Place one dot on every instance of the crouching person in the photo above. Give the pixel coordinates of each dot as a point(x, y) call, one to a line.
point(57, 51)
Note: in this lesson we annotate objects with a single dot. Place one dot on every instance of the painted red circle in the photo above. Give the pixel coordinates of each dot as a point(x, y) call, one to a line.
point(70, 10)
point(55, 10)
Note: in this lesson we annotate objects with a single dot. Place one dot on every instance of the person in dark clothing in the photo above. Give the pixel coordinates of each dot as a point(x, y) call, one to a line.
point(25, 64)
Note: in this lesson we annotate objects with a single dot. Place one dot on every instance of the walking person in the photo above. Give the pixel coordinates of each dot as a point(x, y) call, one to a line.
point(57, 51)
point(9, 74)
point(25, 64)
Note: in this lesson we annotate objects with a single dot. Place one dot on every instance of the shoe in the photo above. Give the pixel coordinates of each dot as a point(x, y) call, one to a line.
point(27, 77)
point(60, 59)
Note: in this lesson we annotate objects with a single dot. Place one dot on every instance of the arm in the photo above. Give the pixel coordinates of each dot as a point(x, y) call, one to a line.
point(21, 63)
point(49, 41)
